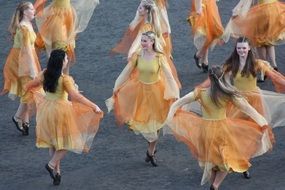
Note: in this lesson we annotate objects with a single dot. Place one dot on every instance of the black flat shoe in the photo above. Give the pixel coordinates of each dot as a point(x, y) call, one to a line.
point(205, 67)
point(246, 175)
point(17, 124)
point(275, 68)
point(212, 187)
point(25, 131)
point(148, 157)
point(57, 179)
point(50, 171)
point(196, 59)
point(151, 159)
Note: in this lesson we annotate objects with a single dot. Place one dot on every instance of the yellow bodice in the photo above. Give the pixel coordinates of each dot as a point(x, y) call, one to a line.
point(148, 70)
point(266, 1)
point(23, 33)
point(244, 83)
point(209, 109)
point(60, 92)
point(61, 3)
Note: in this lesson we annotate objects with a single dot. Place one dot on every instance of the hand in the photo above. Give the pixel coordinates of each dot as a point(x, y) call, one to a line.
point(270, 132)
point(96, 109)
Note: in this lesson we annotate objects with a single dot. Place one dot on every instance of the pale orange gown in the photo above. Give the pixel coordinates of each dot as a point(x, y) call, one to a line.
point(216, 141)
point(62, 124)
point(141, 100)
point(263, 24)
point(207, 28)
point(267, 103)
point(59, 23)
point(22, 65)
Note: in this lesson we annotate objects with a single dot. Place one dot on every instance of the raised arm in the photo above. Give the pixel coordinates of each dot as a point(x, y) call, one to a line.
point(190, 97)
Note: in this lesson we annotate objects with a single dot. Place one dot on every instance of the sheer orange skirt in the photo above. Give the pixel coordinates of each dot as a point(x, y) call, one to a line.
point(264, 24)
point(13, 84)
point(141, 106)
point(65, 125)
point(57, 29)
point(207, 27)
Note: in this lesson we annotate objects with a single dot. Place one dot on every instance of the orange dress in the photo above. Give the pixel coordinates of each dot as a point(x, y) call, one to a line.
point(22, 65)
point(62, 124)
point(207, 28)
point(141, 100)
point(267, 103)
point(59, 23)
point(263, 24)
point(216, 141)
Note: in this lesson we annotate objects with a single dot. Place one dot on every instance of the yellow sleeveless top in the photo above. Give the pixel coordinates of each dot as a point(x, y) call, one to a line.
point(24, 37)
point(148, 70)
point(266, 1)
point(65, 83)
point(61, 3)
point(210, 110)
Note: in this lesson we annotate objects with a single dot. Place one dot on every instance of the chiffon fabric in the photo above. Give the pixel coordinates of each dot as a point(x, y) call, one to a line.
point(207, 28)
point(22, 65)
point(263, 24)
point(60, 21)
point(63, 124)
point(143, 94)
point(215, 140)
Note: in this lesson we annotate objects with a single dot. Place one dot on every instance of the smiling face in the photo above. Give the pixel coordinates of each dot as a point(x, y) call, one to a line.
point(29, 13)
point(146, 42)
point(242, 49)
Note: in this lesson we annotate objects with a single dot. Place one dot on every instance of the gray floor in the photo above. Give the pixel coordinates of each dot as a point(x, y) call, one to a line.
point(117, 157)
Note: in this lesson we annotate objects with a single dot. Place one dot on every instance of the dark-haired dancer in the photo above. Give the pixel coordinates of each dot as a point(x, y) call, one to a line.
point(22, 63)
point(220, 144)
point(62, 125)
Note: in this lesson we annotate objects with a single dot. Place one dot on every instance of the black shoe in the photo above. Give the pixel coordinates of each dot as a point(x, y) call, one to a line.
point(205, 68)
point(18, 124)
point(25, 131)
point(151, 159)
point(148, 157)
point(246, 175)
point(57, 179)
point(197, 61)
point(275, 68)
point(50, 171)
point(212, 187)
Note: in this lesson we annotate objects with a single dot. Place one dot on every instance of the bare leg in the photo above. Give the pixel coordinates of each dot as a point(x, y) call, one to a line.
point(271, 55)
point(204, 58)
point(152, 147)
point(21, 112)
point(213, 176)
point(220, 176)
point(58, 155)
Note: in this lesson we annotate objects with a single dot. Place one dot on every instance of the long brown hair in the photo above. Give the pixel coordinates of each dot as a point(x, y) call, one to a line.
point(219, 87)
point(18, 16)
point(233, 62)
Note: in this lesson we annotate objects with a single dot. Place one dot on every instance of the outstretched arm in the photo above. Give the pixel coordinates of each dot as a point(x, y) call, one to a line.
point(246, 108)
point(190, 97)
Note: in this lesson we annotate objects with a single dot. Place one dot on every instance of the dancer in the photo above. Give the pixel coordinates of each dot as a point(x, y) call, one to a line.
point(143, 93)
point(22, 64)
point(219, 143)
point(59, 23)
point(61, 125)
point(207, 29)
point(149, 17)
point(261, 23)
point(241, 69)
